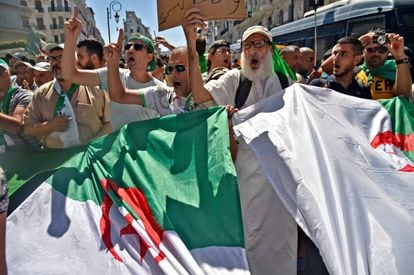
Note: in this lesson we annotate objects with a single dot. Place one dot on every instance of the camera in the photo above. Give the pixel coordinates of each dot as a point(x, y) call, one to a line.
point(380, 39)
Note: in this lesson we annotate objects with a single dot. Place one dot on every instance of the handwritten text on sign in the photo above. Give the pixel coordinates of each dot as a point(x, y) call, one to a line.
point(171, 12)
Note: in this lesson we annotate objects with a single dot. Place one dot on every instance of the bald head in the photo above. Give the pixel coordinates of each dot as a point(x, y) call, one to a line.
point(308, 60)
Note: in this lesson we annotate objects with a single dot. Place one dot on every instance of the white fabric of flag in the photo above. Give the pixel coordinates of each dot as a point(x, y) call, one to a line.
point(349, 198)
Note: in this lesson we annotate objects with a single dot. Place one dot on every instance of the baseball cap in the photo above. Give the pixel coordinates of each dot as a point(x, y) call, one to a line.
point(18, 56)
point(4, 64)
point(22, 63)
point(42, 67)
point(217, 44)
point(150, 46)
point(257, 29)
point(53, 46)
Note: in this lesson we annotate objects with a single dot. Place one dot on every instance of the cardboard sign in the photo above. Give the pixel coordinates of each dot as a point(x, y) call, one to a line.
point(171, 12)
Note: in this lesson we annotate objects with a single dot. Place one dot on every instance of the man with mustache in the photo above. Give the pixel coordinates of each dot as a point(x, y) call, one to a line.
point(13, 102)
point(90, 54)
point(165, 100)
point(269, 230)
point(346, 54)
point(387, 78)
point(63, 114)
point(139, 55)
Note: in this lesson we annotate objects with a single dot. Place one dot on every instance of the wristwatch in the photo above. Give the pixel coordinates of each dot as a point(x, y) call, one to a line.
point(405, 60)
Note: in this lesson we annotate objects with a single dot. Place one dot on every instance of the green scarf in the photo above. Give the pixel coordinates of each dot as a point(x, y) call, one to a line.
point(386, 71)
point(5, 103)
point(60, 103)
point(203, 63)
point(279, 65)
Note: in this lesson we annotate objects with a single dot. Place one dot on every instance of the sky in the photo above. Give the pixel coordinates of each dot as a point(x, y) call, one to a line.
point(144, 9)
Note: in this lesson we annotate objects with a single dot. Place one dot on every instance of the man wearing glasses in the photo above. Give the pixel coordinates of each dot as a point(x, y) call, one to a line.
point(165, 100)
point(387, 78)
point(139, 56)
point(270, 233)
point(63, 114)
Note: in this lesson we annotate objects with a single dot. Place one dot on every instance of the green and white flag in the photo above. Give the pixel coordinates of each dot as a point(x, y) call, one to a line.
point(156, 197)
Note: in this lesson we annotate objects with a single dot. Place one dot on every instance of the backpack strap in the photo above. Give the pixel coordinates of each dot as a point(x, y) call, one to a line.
point(245, 84)
point(243, 91)
point(284, 81)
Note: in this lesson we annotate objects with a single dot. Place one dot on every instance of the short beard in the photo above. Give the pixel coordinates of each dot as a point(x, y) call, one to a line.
point(88, 66)
point(265, 70)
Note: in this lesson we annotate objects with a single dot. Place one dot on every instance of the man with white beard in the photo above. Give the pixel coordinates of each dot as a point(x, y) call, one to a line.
point(269, 230)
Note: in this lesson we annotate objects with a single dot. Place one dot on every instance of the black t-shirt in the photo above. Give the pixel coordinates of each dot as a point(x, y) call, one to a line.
point(354, 89)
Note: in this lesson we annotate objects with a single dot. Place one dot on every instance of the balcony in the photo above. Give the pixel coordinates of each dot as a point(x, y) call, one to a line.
point(59, 9)
point(41, 27)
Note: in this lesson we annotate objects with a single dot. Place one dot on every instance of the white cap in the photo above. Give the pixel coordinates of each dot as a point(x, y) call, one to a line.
point(53, 46)
point(257, 29)
point(42, 67)
point(22, 63)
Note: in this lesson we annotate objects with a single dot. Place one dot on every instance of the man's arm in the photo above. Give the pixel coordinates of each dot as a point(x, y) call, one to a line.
point(116, 90)
point(161, 41)
point(32, 126)
point(12, 124)
point(72, 29)
point(403, 81)
point(193, 19)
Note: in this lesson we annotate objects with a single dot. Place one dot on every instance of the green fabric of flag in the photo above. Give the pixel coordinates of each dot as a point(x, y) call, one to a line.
point(181, 163)
point(279, 65)
point(386, 71)
point(401, 112)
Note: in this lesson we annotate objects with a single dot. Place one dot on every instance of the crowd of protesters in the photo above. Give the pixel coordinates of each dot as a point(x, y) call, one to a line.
point(85, 90)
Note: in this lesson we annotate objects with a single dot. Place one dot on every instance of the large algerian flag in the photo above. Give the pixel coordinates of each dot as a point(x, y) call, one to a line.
point(158, 196)
point(338, 166)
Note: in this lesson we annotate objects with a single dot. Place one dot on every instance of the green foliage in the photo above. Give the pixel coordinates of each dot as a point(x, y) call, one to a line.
point(12, 44)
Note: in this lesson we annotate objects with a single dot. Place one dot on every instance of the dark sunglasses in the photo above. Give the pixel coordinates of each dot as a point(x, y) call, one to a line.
point(381, 49)
point(137, 46)
point(179, 68)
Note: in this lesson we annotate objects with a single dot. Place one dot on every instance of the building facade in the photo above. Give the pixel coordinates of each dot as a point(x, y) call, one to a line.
point(47, 17)
point(133, 25)
point(14, 21)
point(267, 13)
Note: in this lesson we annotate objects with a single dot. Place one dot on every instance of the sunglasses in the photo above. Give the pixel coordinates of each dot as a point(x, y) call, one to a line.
point(256, 43)
point(55, 58)
point(137, 46)
point(179, 68)
point(222, 50)
point(381, 49)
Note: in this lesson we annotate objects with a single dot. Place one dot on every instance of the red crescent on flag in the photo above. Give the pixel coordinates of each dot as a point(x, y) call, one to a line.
point(137, 201)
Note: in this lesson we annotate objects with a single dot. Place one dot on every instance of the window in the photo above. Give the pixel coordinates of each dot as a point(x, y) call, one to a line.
point(269, 22)
point(26, 22)
point(56, 39)
point(61, 21)
point(281, 17)
point(40, 24)
point(38, 6)
point(23, 3)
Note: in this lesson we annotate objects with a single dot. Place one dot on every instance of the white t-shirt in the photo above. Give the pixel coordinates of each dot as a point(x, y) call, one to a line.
point(223, 90)
point(165, 101)
point(122, 114)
